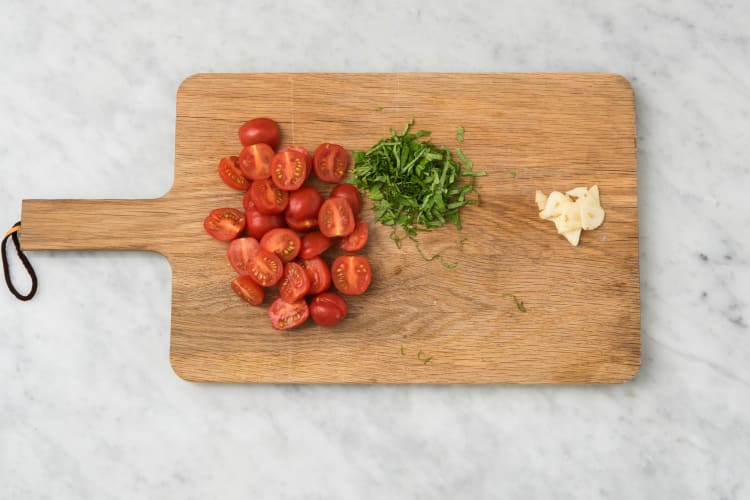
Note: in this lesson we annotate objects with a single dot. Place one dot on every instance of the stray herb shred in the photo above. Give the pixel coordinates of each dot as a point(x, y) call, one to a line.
point(518, 302)
point(513, 173)
point(460, 134)
point(414, 184)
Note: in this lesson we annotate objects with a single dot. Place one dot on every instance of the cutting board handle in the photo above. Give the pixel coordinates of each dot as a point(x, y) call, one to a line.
point(92, 224)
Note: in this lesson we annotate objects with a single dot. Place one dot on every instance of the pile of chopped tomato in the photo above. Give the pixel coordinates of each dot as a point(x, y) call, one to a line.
point(286, 226)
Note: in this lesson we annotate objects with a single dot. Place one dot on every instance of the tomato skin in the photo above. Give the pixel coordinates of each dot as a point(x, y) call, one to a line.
point(265, 268)
point(301, 225)
point(285, 315)
point(328, 309)
point(255, 161)
point(320, 275)
point(314, 244)
point(330, 162)
point(305, 153)
point(335, 218)
point(267, 198)
point(224, 224)
point(230, 173)
point(283, 242)
point(304, 203)
point(288, 170)
point(295, 283)
point(352, 274)
point(259, 223)
point(260, 130)
point(357, 239)
point(351, 194)
point(248, 290)
point(240, 252)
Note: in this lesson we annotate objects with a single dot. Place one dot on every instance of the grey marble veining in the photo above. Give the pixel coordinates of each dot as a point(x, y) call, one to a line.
point(89, 407)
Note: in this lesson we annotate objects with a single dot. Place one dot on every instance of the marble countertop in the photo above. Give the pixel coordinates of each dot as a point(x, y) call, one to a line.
point(89, 406)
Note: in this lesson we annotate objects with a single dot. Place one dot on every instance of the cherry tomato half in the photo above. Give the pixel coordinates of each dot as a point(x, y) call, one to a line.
point(295, 283)
point(330, 162)
point(224, 224)
point(304, 203)
point(314, 244)
point(259, 223)
point(267, 198)
point(230, 173)
point(285, 315)
point(351, 194)
point(248, 290)
point(305, 153)
point(352, 274)
point(320, 275)
point(288, 170)
point(265, 268)
point(240, 252)
point(301, 225)
point(260, 130)
point(336, 218)
point(328, 309)
point(357, 239)
point(283, 242)
point(255, 161)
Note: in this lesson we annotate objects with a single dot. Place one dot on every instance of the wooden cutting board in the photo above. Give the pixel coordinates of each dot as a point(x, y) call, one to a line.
point(527, 131)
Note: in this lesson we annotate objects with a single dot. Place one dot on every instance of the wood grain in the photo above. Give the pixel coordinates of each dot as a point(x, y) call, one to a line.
point(555, 131)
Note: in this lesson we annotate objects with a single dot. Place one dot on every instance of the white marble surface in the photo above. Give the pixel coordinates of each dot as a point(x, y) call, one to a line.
point(89, 407)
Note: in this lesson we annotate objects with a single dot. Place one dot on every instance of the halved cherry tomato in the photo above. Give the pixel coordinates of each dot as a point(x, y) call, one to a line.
point(285, 315)
point(314, 244)
point(283, 242)
point(265, 268)
point(288, 170)
point(351, 194)
point(240, 252)
point(248, 290)
point(330, 162)
point(357, 239)
point(301, 225)
point(352, 274)
point(328, 309)
point(304, 203)
point(260, 130)
point(247, 200)
point(230, 173)
point(336, 218)
point(267, 198)
point(320, 275)
point(305, 153)
point(255, 161)
point(259, 224)
point(224, 224)
point(295, 283)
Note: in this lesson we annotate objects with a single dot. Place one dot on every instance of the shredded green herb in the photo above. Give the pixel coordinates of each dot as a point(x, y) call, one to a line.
point(460, 134)
point(447, 265)
point(414, 184)
point(461, 243)
point(513, 173)
point(402, 350)
point(519, 303)
point(423, 360)
point(379, 108)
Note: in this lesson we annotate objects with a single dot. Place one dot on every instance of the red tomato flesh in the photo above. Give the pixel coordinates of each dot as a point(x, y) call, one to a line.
point(285, 315)
point(224, 224)
point(357, 239)
point(255, 161)
point(288, 170)
point(230, 173)
point(295, 283)
point(320, 275)
point(350, 194)
point(267, 198)
point(283, 242)
point(330, 162)
point(336, 218)
point(352, 274)
point(248, 290)
point(314, 244)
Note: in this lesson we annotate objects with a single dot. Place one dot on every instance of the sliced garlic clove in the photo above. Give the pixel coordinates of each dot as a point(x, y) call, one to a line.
point(577, 192)
point(554, 205)
point(592, 216)
point(593, 194)
point(541, 200)
point(573, 236)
